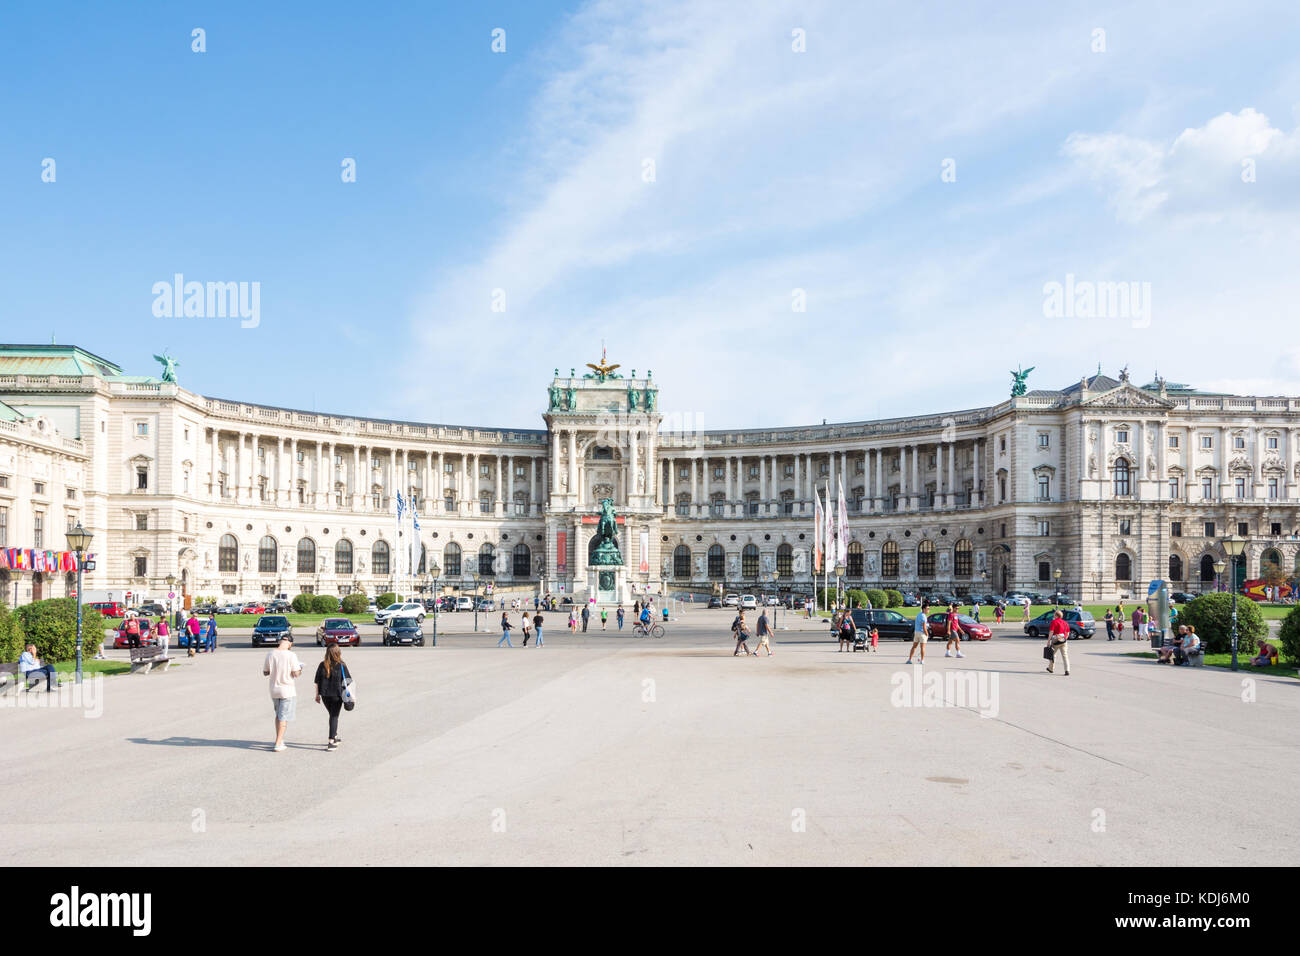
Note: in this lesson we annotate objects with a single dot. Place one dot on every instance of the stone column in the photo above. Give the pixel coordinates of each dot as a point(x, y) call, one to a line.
point(975, 497)
point(213, 493)
point(630, 475)
point(1225, 480)
point(573, 463)
point(651, 466)
point(695, 480)
point(881, 489)
point(672, 485)
point(509, 466)
point(327, 474)
point(952, 474)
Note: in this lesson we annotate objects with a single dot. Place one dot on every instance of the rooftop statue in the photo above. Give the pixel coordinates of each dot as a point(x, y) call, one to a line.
point(1018, 381)
point(169, 367)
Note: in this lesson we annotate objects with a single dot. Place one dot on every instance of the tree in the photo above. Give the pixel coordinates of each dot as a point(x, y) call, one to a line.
point(304, 603)
point(52, 626)
point(1211, 615)
point(11, 636)
point(325, 604)
point(354, 604)
point(1289, 636)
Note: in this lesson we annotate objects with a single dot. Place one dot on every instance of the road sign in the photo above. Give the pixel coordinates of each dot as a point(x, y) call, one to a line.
point(170, 595)
point(88, 565)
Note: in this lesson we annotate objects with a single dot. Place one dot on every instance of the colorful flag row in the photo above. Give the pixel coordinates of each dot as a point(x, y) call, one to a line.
point(29, 559)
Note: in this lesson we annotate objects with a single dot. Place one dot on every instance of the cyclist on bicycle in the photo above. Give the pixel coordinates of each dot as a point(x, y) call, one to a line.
point(645, 614)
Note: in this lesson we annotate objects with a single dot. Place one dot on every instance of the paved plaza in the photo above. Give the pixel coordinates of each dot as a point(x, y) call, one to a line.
point(607, 749)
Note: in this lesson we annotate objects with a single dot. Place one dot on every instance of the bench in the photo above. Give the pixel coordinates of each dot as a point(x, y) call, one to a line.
point(145, 659)
point(10, 676)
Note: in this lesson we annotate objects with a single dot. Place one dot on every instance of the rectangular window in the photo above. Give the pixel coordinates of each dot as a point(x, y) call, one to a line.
point(142, 522)
point(484, 471)
point(521, 471)
point(1272, 487)
point(141, 428)
point(1243, 529)
point(485, 506)
point(1044, 487)
point(1175, 529)
point(684, 508)
point(1002, 443)
point(410, 464)
point(1173, 441)
point(1044, 528)
point(142, 478)
point(1207, 442)
point(4, 481)
point(1173, 487)
point(718, 472)
point(1044, 440)
point(71, 494)
point(338, 461)
point(448, 468)
point(261, 452)
point(1125, 525)
point(1238, 442)
point(1121, 436)
point(753, 471)
point(1276, 528)
point(374, 462)
point(684, 472)
point(1207, 488)
point(1044, 570)
point(374, 501)
point(141, 566)
point(1209, 529)
point(38, 530)
point(1272, 444)
point(38, 487)
point(1239, 486)
point(4, 527)
point(789, 471)
point(449, 503)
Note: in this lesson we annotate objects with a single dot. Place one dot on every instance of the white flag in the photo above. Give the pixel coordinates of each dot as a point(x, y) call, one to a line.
point(842, 549)
point(830, 526)
point(818, 527)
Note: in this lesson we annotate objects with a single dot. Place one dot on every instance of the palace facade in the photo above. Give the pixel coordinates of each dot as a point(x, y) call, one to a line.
point(1108, 483)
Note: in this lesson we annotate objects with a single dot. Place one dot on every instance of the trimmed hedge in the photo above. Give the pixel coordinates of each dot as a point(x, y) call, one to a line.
point(52, 626)
point(11, 636)
point(303, 603)
point(855, 598)
point(895, 597)
point(325, 604)
point(355, 604)
point(1211, 614)
point(385, 599)
point(878, 598)
point(1289, 636)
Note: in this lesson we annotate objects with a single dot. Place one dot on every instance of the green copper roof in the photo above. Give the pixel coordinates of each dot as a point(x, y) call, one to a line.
point(54, 360)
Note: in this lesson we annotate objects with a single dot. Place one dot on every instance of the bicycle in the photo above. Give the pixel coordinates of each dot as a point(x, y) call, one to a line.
point(654, 630)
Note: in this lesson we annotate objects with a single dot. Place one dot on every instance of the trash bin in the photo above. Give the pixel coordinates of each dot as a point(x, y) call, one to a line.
point(1157, 640)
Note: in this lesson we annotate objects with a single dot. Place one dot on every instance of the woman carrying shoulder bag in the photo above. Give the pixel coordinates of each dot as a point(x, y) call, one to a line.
point(332, 677)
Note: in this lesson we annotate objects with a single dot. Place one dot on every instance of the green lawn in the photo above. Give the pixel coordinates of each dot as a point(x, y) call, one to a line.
point(1284, 667)
point(91, 666)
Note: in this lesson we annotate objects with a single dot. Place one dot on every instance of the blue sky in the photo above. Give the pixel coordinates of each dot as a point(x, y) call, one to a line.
point(774, 171)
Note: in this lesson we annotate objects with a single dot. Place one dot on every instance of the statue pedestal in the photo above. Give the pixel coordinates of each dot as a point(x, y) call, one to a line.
point(608, 584)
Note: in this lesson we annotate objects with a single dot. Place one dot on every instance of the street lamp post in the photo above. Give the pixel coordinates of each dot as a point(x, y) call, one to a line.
point(434, 572)
point(839, 573)
point(477, 578)
point(171, 589)
point(1234, 547)
point(1056, 598)
point(79, 541)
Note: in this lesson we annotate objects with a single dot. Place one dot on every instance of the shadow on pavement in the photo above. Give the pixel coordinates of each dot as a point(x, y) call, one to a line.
point(203, 742)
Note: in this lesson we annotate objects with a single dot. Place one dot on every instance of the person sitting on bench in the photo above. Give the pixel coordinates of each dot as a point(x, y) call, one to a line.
point(1267, 655)
point(1165, 654)
point(1189, 647)
point(31, 667)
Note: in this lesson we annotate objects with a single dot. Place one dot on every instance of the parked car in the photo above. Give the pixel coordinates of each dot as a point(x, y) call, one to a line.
point(910, 599)
point(1081, 624)
point(1182, 597)
point(338, 630)
point(748, 601)
point(889, 624)
point(715, 601)
point(152, 609)
point(937, 626)
point(731, 600)
point(270, 628)
point(230, 609)
point(253, 607)
point(464, 604)
point(278, 607)
point(1060, 598)
point(109, 608)
point(771, 600)
point(402, 609)
point(403, 630)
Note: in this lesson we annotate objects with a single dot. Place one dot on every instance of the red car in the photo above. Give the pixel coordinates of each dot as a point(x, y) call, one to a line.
point(146, 634)
point(109, 608)
point(253, 609)
point(970, 630)
point(338, 630)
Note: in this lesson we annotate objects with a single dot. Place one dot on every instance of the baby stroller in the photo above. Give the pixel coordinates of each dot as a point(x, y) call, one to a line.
point(860, 639)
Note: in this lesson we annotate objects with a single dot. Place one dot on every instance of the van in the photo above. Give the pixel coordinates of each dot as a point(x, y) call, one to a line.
point(109, 608)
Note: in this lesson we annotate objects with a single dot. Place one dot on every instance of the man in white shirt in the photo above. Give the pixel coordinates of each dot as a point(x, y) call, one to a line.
point(282, 666)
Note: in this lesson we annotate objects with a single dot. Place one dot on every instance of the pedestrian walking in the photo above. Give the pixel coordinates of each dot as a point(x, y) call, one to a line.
point(619, 614)
point(764, 633)
point(586, 617)
point(192, 630)
point(1000, 612)
point(573, 622)
point(874, 636)
point(212, 633)
point(537, 626)
point(505, 630)
point(920, 634)
point(954, 633)
point(975, 611)
point(1058, 639)
point(739, 630)
point(1137, 623)
point(1025, 609)
point(848, 632)
point(163, 636)
point(604, 618)
point(282, 666)
point(525, 627)
point(1110, 625)
point(331, 675)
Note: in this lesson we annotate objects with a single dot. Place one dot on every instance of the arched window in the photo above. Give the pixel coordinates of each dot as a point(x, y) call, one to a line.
point(379, 557)
point(925, 559)
point(521, 564)
point(716, 561)
point(749, 561)
point(961, 559)
point(889, 560)
point(343, 557)
point(487, 556)
point(1123, 567)
point(681, 561)
point(1207, 567)
point(451, 560)
point(1121, 480)
point(306, 556)
point(228, 553)
point(1175, 567)
point(267, 551)
point(1271, 559)
point(855, 559)
point(785, 561)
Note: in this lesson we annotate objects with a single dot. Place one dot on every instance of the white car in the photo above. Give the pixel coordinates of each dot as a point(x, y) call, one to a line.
point(748, 601)
point(771, 600)
point(464, 604)
point(731, 600)
point(402, 609)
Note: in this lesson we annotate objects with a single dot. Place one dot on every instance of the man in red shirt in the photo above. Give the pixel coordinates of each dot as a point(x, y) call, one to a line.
point(954, 632)
point(1058, 639)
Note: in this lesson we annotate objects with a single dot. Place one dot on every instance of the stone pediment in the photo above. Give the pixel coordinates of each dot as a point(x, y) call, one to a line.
point(1126, 395)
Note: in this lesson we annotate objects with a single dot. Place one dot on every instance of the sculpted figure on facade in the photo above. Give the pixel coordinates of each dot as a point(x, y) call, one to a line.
point(871, 562)
point(733, 565)
point(800, 561)
point(699, 566)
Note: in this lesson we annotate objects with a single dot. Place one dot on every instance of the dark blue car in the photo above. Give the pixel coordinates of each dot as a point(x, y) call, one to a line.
point(270, 628)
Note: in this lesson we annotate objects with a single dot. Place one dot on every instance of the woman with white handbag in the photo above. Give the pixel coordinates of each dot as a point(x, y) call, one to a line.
point(334, 689)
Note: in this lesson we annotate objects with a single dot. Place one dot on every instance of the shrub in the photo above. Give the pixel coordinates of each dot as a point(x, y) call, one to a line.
point(878, 598)
point(325, 604)
point(856, 598)
point(895, 598)
point(11, 636)
point(355, 604)
point(385, 599)
point(1289, 636)
point(52, 626)
point(1211, 614)
point(304, 603)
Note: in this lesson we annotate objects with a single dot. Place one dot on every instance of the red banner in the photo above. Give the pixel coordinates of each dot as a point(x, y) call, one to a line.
point(562, 552)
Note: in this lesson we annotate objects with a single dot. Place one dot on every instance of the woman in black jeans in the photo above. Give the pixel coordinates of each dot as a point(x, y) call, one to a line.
point(329, 690)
